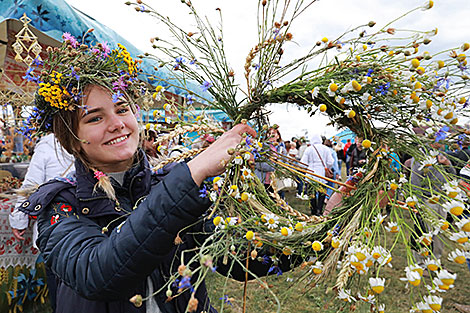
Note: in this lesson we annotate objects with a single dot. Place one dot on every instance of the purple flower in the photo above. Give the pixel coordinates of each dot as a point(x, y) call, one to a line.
point(71, 39)
point(186, 283)
point(106, 48)
point(120, 84)
point(206, 85)
point(442, 133)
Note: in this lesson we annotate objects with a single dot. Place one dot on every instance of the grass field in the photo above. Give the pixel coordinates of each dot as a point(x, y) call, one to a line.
point(302, 297)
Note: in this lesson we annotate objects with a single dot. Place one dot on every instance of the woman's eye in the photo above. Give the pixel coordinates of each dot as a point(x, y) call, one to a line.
point(123, 110)
point(94, 119)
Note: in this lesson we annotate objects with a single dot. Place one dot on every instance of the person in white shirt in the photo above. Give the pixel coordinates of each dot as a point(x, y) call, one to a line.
point(48, 161)
point(317, 157)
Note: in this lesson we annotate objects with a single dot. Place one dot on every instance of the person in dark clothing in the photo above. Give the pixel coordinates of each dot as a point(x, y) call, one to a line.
point(358, 155)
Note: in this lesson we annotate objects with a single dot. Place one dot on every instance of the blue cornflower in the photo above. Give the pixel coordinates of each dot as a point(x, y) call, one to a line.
point(248, 141)
point(226, 299)
point(276, 32)
point(37, 62)
point(186, 283)
point(203, 192)
point(256, 66)
point(29, 75)
point(206, 85)
point(73, 73)
point(193, 61)
point(267, 82)
point(190, 99)
point(266, 259)
point(116, 96)
point(276, 270)
point(369, 72)
point(442, 133)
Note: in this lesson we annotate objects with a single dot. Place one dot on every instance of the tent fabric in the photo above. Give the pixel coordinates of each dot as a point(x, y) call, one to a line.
point(55, 17)
point(344, 135)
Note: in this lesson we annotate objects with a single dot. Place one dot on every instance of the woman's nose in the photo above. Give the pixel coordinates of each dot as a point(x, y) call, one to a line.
point(116, 124)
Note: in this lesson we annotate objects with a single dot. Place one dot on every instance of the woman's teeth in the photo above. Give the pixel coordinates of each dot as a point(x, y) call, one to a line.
point(114, 141)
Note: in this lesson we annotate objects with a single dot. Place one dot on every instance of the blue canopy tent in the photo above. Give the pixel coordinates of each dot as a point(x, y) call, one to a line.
point(55, 17)
point(344, 136)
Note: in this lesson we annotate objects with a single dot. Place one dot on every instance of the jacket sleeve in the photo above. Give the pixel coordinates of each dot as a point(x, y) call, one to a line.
point(101, 267)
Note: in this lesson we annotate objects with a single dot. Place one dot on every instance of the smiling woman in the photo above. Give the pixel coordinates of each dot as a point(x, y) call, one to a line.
point(108, 230)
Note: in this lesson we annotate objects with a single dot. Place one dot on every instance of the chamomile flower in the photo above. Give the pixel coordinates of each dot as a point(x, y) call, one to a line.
point(412, 277)
point(247, 173)
point(381, 308)
point(427, 162)
point(272, 221)
point(335, 242)
point(218, 181)
point(317, 268)
point(452, 189)
point(464, 224)
point(287, 231)
point(366, 97)
point(434, 302)
point(443, 224)
point(345, 295)
point(315, 92)
point(369, 299)
point(423, 307)
point(454, 207)
point(392, 227)
point(238, 160)
point(317, 246)
point(332, 88)
point(432, 264)
point(428, 4)
point(460, 237)
point(411, 201)
point(379, 218)
point(349, 113)
point(446, 277)
point(425, 239)
point(393, 185)
point(458, 256)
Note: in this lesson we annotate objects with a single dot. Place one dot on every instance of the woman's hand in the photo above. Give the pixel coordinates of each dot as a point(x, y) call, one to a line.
point(212, 161)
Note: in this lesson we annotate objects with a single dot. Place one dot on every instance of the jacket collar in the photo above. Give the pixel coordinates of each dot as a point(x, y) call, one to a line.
point(139, 172)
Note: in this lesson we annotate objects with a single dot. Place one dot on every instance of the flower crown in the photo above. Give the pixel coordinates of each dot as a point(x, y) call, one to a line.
point(72, 67)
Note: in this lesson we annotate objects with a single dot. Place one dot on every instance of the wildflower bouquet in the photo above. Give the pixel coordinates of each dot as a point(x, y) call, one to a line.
point(68, 68)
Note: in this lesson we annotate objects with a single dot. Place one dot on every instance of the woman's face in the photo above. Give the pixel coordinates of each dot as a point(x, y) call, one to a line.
point(110, 129)
point(273, 136)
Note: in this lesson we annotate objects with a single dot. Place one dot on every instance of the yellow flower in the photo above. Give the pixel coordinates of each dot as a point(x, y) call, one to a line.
point(322, 107)
point(317, 246)
point(434, 302)
point(350, 113)
point(158, 88)
point(420, 70)
point(366, 143)
point(415, 63)
point(458, 256)
point(324, 40)
point(217, 220)
point(333, 87)
point(465, 46)
point(432, 265)
point(335, 242)
point(464, 224)
point(356, 86)
point(299, 226)
point(249, 235)
point(377, 284)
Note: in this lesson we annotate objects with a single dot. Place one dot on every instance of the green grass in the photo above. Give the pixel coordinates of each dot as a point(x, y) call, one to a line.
point(302, 297)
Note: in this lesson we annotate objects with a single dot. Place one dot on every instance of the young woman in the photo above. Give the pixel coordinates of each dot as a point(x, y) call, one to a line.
point(108, 231)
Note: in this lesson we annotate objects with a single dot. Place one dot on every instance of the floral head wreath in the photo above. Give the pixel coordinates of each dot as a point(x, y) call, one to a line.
point(72, 67)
